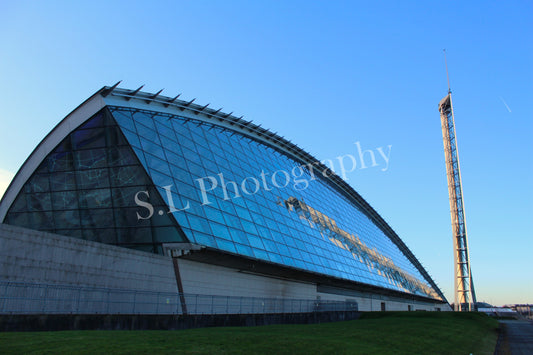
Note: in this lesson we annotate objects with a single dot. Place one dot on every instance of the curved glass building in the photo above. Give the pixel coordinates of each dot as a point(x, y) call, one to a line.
point(171, 177)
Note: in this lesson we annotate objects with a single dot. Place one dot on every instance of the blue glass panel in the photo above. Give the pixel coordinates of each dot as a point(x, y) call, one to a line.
point(124, 120)
point(125, 196)
point(191, 155)
point(176, 159)
point(255, 241)
point(220, 231)
point(263, 232)
point(65, 200)
point(196, 170)
point(249, 227)
point(199, 224)
point(63, 181)
point(167, 235)
point(190, 193)
point(140, 155)
point(134, 235)
point(283, 249)
point(38, 183)
point(103, 235)
point(118, 156)
point(132, 138)
point(114, 137)
point(181, 129)
point(76, 233)
point(90, 159)
point(239, 236)
point(188, 148)
point(131, 217)
point(244, 250)
point(126, 176)
point(270, 245)
point(159, 165)
point(167, 142)
point(145, 119)
point(275, 258)
point(152, 148)
point(233, 221)
point(261, 254)
point(97, 218)
point(39, 202)
point(147, 134)
point(181, 218)
point(94, 122)
point(97, 198)
point(181, 176)
point(204, 239)
point(242, 213)
point(164, 126)
point(61, 161)
point(67, 219)
point(88, 138)
point(19, 205)
point(226, 245)
point(93, 179)
point(214, 214)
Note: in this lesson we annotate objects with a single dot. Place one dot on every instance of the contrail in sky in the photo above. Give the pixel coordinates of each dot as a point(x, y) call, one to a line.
point(505, 103)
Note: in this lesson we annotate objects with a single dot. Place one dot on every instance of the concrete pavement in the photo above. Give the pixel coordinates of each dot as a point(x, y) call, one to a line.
point(516, 338)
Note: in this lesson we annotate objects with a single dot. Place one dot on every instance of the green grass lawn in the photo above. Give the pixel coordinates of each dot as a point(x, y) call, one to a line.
point(374, 333)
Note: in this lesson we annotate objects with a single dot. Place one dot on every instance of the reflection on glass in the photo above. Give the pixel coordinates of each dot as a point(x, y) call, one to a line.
point(375, 261)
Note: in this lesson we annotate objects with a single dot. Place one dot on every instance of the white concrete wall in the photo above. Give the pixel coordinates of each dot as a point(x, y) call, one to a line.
point(28, 255)
point(207, 279)
point(204, 279)
point(371, 302)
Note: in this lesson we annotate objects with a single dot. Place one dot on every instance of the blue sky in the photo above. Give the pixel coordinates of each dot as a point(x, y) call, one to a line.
point(325, 75)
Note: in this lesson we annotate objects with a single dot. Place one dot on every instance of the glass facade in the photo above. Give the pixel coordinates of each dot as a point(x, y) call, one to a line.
point(86, 187)
point(141, 178)
point(233, 193)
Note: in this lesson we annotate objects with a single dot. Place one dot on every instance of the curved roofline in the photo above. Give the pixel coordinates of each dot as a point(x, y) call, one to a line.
point(137, 99)
point(74, 119)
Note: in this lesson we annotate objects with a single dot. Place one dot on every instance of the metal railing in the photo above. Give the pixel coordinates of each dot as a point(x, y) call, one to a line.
point(36, 298)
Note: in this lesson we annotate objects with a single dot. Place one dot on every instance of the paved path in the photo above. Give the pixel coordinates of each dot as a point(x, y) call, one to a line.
point(516, 339)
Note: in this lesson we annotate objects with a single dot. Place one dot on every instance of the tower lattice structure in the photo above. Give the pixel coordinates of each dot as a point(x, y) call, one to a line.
point(465, 297)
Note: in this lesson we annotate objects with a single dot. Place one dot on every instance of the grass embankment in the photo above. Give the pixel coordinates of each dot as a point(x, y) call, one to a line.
point(374, 333)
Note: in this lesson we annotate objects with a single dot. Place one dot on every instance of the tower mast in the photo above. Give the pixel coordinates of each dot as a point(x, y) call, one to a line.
point(465, 297)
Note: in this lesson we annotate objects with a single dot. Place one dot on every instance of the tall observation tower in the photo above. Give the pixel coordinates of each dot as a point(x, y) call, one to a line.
point(465, 297)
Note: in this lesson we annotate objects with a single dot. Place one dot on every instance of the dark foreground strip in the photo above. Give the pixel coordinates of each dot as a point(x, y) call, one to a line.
point(47, 322)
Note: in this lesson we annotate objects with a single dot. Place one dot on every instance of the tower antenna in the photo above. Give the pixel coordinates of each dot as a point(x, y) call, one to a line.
point(447, 76)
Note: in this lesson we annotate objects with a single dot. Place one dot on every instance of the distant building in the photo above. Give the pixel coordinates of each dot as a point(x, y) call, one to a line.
point(224, 206)
point(525, 310)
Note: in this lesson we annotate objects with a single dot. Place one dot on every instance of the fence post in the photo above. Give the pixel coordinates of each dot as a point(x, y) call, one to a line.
point(108, 301)
point(78, 301)
point(227, 304)
point(134, 300)
point(44, 296)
